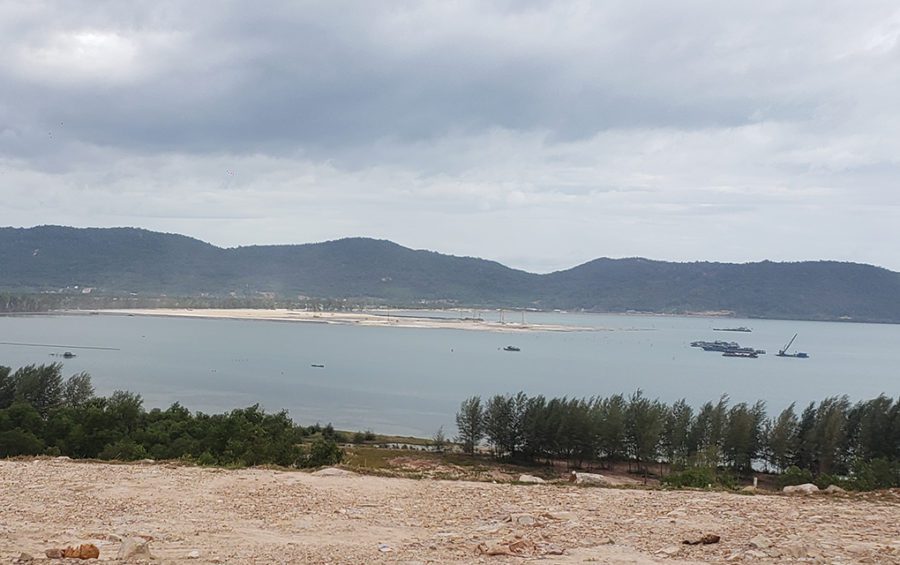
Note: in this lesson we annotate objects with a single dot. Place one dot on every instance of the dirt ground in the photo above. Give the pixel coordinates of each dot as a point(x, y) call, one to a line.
point(202, 515)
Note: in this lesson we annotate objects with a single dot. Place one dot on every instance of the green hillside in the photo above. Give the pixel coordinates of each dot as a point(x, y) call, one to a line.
point(128, 260)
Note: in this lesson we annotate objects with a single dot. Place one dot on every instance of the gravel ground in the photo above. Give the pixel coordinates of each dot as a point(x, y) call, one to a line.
point(201, 515)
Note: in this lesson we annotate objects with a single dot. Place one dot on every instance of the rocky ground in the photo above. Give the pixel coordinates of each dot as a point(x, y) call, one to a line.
point(201, 515)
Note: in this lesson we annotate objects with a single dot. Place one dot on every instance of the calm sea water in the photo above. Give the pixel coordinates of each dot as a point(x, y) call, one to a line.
point(411, 381)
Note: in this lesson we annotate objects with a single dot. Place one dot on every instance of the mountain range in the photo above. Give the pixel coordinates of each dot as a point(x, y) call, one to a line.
point(131, 260)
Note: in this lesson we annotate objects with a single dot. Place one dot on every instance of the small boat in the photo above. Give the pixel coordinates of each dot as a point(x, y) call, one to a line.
point(739, 329)
point(68, 355)
point(511, 348)
point(728, 347)
point(715, 345)
point(798, 355)
point(318, 366)
point(741, 354)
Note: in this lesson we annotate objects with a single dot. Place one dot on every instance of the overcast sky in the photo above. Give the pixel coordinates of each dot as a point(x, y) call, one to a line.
point(538, 134)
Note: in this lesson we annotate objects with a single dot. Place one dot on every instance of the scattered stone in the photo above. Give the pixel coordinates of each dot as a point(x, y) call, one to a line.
point(106, 537)
point(587, 479)
point(507, 547)
point(755, 554)
point(193, 554)
point(134, 548)
point(797, 550)
point(531, 479)
point(522, 547)
point(706, 539)
point(760, 542)
point(493, 548)
point(564, 515)
point(83, 551)
point(55, 553)
point(750, 489)
point(23, 558)
point(807, 488)
point(834, 489)
point(670, 550)
point(384, 548)
point(334, 472)
point(858, 549)
point(521, 519)
point(550, 549)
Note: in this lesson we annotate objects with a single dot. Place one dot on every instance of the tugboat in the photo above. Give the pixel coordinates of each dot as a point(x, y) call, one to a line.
point(798, 355)
point(511, 348)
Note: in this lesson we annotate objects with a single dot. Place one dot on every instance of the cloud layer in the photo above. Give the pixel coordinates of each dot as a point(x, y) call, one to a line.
point(540, 134)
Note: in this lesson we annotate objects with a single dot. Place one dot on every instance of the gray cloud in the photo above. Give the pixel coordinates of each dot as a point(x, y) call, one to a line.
point(539, 133)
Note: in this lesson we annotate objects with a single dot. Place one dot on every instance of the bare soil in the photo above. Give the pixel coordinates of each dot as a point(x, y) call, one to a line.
point(274, 516)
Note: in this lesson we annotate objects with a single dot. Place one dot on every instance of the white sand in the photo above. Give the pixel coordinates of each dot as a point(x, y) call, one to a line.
point(350, 318)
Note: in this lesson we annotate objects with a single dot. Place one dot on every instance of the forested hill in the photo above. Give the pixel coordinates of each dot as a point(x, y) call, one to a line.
point(127, 260)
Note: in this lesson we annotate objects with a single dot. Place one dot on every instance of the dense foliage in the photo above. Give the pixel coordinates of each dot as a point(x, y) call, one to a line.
point(122, 261)
point(833, 441)
point(42, 413)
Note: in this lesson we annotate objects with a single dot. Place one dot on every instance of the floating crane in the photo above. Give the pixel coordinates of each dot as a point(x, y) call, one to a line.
point(784, 353)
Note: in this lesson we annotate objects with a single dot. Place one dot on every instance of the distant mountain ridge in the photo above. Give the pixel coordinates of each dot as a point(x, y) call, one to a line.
point(126, 260)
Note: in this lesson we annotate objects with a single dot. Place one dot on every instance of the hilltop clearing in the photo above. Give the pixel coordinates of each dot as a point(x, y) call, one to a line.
point(266, 516)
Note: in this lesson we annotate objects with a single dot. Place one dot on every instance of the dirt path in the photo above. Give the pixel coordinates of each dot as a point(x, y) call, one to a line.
point(264, 516)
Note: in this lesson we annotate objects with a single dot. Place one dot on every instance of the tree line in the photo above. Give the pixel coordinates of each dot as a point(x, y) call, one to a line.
point(41, 413)
point(856, 445)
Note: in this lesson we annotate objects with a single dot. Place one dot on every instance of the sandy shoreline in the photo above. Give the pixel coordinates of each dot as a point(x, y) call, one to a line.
point(344, 318)
point(204, 515)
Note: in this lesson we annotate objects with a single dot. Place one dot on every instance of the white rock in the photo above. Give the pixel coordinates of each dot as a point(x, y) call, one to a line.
point(807, 488)
point(834, 489)
point(589, 479)
point(334, 472)
point(530, 479)
point(193, 554)
point(760, 542)
point(522, 519)
point(134, 549)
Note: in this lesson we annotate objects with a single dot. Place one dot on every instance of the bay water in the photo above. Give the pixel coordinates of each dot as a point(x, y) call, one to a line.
point(410, 381)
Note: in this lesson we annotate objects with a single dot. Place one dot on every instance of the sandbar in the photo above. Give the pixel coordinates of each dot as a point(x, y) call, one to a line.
point(345, 318)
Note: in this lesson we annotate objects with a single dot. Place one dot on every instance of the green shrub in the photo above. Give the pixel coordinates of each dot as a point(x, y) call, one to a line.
point(875, 474)
point(700, 477)
point(794, 475)
point(206, 459)
point(694, 477)
point(19, 442)
point(322, 453)
point(124, 450)
point(825, 480)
